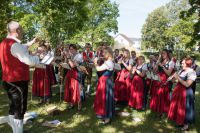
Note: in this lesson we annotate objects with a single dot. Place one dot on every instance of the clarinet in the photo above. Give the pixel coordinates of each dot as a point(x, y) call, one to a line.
point(172, 76)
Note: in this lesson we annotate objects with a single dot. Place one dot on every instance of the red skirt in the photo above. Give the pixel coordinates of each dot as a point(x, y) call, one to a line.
point(52, 76)
point(100, 98)
point(161, 101)
point(137, 93)
point(122, 86)
point(153, 94)
point(178, 105)
point(72, 90)
point(41, 83)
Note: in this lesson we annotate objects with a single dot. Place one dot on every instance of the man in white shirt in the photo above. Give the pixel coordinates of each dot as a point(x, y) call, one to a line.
point(15, 60)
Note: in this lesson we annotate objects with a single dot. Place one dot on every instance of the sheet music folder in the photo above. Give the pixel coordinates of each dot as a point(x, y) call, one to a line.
point(47, 59)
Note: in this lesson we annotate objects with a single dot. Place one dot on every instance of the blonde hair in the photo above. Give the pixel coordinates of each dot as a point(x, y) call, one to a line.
point(127, 51)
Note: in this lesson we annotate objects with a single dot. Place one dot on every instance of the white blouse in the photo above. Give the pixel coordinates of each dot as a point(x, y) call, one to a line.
point(190, 73)
point(107, 65)
point(78, 58)
point(144, 67)
point(171, 64)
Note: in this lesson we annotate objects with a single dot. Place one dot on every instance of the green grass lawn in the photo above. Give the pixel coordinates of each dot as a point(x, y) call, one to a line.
point(86, 121)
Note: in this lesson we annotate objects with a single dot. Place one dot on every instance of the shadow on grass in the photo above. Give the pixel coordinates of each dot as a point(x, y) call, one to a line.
point(86, 121)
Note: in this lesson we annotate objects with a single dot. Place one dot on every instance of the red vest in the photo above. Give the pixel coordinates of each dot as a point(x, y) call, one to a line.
point(13, 69)
point(87, 57)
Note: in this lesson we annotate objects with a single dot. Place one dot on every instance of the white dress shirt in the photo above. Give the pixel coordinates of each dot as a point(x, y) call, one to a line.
point(21, 52)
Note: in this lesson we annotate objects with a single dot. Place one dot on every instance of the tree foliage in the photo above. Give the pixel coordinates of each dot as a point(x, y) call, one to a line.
point(62, 20)
point(153, 31)
point(193, 10)
point(101, 21)
point(5, 14)
point(177, 34)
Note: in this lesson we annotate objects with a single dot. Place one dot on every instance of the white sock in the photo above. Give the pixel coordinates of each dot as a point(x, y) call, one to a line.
point(18, 126)
point(11, 122)
point(88, 88)
point(4, 119)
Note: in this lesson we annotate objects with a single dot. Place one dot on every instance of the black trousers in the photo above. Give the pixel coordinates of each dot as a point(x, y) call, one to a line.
point(17, 94)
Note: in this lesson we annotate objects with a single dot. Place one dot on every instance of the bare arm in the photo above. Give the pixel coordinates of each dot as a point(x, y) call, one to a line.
point(186, 83)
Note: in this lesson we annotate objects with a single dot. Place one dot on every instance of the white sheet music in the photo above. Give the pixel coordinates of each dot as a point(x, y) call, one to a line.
point(47, 59)
point(65, 65)
point(151, 75)
point(156, 77)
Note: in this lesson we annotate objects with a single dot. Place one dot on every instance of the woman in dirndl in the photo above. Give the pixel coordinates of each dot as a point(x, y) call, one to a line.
point(104, 99)
point(123, 81)
point(149, 78)
point(138, 91)
point(73, 84)
point(161, 98)
point(41, 80)
point(182, 104)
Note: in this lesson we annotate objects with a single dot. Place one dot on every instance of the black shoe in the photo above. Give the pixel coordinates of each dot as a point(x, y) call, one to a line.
point(25, 131)
point(185, 128)
point(48, 101)
point(41, 101)
point(180, 126)
point(106, 122)
point(143, 109)
point(70, 107)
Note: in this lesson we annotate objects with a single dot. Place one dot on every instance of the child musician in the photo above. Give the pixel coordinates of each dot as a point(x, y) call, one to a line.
point(41, 80)
point(58, 59)
point(88, 56)
point(149, 79)
point(182, 105)
point(122, 82)
point(161, 100)
point(73, 86)
point(104, 99)
point(138, 92)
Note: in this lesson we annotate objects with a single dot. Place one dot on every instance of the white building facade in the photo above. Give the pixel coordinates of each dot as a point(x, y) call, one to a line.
point(122, 41)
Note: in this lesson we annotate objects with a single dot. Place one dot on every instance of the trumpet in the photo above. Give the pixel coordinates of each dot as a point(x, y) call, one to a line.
point(78, 65)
